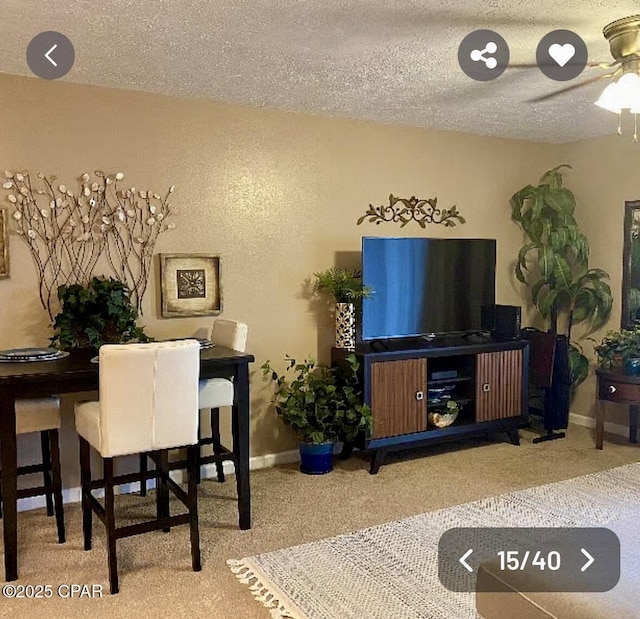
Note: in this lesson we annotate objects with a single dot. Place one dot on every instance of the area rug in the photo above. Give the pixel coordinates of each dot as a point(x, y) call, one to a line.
point(391, 570)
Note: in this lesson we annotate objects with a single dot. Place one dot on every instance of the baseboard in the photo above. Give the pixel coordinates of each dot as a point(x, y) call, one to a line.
point(590, 422)
point(73, 495)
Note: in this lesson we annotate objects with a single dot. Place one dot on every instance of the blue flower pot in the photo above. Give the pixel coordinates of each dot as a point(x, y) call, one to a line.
point(632, 365)
point(316, 459)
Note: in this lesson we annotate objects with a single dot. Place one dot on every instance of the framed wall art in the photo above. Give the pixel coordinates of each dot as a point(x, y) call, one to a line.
point(190, 285)
point(631, 265)
point(4, 243)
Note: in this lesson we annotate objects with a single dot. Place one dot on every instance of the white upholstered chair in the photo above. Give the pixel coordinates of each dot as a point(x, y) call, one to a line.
point(43, 415)
point(148, 404)
point(218, 392)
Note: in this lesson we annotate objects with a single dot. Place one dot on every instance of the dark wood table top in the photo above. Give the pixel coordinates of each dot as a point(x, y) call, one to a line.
point(617, 374)
point(76, 372)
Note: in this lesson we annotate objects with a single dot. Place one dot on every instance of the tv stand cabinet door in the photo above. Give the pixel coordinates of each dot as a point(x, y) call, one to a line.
point(498, 385)
point(399, 397)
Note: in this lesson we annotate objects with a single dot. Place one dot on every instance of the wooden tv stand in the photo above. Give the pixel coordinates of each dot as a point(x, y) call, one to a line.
point(400, 378)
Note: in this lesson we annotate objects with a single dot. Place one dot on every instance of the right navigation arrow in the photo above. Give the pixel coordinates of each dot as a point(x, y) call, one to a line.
point(590, 559)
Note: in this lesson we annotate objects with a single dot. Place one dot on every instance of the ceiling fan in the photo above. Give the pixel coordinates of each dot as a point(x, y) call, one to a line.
point(624, 43)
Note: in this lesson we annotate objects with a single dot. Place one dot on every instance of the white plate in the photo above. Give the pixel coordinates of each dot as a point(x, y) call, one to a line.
point(25, 355)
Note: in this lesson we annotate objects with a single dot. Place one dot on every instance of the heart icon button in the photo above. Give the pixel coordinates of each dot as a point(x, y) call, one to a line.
point(562, 53)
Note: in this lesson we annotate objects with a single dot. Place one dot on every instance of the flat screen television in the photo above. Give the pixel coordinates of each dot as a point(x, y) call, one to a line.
point(426, 286)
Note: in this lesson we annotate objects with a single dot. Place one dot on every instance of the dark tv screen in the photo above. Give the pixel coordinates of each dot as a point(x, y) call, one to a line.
point(424, 286)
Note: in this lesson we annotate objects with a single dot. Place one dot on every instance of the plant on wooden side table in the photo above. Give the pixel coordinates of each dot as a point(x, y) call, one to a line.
point(620, 349)
point(96, 314)
point(345, 288)
point(321, 404)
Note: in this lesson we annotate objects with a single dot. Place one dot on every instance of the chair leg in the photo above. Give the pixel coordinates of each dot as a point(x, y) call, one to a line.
point(143, 470)
point(46, 471)
point(57, 483)
point(110, 522)
point(192, 493)
point(162, 489)
point(217, 445)
point(198, 475)
point(85, 481)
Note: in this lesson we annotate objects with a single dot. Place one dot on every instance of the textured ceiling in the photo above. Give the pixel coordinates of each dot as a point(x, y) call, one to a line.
point(386, 60)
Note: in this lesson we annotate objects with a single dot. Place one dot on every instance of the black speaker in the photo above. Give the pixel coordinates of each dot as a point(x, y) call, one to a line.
point(502, 320)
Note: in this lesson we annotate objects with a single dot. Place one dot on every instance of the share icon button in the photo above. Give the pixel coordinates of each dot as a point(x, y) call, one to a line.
point(483, 55)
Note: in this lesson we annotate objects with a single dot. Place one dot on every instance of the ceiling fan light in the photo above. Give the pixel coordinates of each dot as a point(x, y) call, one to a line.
point(608, 100)
point(628, 91)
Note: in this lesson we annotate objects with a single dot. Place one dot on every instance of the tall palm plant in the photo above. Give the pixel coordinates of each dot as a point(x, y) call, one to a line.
point(555, 263)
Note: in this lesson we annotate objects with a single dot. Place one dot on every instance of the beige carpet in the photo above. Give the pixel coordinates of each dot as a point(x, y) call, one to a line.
point(288, 509)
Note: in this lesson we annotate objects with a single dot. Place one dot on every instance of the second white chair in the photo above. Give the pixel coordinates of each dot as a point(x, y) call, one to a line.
point(218, 392)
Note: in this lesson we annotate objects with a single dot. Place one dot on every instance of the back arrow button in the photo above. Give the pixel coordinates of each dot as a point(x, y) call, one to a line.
point(40, 56)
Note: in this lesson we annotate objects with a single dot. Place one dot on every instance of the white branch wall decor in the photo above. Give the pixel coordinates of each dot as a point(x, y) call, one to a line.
point(68, 231)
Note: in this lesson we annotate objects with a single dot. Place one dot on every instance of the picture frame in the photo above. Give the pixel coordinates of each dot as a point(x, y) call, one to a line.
point(190, 285)
point(4, 243)
point(631, 265)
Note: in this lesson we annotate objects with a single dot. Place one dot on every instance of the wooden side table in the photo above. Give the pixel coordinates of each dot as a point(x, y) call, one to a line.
point(616, 386)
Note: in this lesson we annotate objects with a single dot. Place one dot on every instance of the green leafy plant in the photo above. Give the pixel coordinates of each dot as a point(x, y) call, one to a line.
point(452, 407)
point(555, 263)
point(318, 402)
point(618, 344)
point(343, 285)
point(96, 314)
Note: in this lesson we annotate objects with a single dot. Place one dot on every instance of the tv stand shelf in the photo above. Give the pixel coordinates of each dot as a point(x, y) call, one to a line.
point(449, 381)
point(488, 379)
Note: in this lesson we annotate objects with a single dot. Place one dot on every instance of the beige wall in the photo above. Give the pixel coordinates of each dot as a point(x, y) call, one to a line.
point(604, 175)
point(276, 194)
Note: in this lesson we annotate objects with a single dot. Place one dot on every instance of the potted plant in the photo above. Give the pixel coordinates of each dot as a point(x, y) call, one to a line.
point(99, 313)
point(620, 349)
point(321, 404)
point(345, 288)
point(555, 263)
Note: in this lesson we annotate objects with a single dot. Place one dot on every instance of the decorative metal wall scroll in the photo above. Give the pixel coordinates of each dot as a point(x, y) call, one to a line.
point(404, 210)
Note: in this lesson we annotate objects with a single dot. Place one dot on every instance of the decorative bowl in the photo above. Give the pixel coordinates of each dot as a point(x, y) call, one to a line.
point(442, 420)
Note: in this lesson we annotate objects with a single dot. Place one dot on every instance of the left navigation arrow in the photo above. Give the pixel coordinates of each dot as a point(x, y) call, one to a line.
point(463, 560)
point(48, 56)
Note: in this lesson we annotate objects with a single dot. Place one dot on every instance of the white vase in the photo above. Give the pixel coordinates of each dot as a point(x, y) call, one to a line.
point(345, 325)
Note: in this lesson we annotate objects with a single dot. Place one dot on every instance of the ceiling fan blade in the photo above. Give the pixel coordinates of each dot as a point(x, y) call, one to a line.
point(604, 65)
point(590, 65)
point(569, 88)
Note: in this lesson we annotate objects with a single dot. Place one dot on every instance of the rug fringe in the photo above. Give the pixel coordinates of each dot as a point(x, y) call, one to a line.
point(259, 590)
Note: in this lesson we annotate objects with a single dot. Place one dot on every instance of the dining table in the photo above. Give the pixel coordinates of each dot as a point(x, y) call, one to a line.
point(77, 373)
